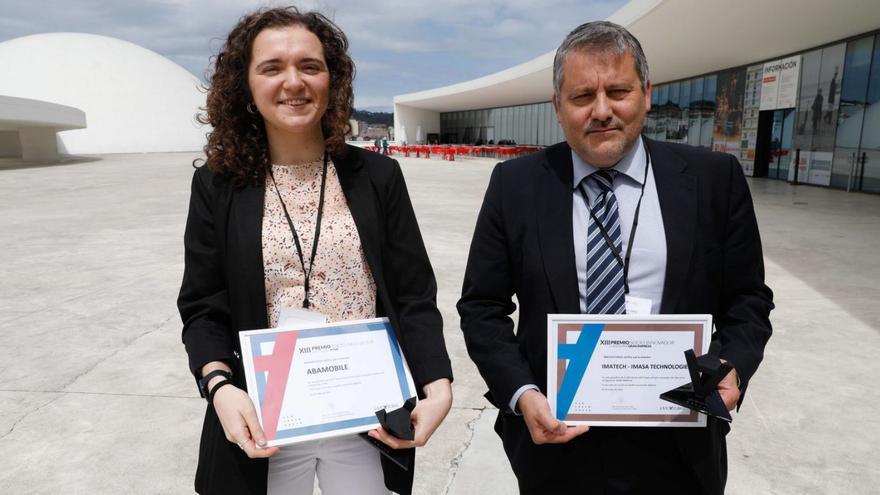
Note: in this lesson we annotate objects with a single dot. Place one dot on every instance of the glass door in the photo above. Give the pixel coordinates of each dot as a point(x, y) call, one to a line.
point(780, 144)
point(787, 131)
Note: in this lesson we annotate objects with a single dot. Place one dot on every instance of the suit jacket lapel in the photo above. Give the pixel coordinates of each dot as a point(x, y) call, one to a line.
point(553, 191)
point(246, 218)
point(677, 193)
point(357, 187)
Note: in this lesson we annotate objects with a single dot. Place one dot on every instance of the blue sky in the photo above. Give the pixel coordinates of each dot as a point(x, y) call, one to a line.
point(398, 47)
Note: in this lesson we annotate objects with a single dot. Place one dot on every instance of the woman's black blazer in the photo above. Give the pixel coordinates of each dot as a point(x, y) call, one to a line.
point(223, 292)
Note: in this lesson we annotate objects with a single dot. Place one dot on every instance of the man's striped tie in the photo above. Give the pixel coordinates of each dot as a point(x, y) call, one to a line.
point(604, 272)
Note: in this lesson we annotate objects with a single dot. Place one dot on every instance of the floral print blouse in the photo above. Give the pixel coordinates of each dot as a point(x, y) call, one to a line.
point(341, 285)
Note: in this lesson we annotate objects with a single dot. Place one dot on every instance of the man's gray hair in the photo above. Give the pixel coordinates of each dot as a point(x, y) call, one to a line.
point(604, 37)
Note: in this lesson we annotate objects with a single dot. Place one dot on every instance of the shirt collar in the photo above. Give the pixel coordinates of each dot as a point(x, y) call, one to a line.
point(631, 165)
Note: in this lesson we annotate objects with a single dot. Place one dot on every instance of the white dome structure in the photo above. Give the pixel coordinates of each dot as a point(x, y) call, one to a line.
point(134, 100)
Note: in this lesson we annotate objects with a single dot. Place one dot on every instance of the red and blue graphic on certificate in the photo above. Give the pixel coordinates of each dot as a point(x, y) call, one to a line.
point(324, 380)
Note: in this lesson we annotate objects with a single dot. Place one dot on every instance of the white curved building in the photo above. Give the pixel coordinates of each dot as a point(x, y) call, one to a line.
point(134, 100)
point(710, 61)
point(28, 127)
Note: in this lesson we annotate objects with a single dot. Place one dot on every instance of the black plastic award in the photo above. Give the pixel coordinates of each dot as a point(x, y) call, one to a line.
point(702, 393)
point(397, 422)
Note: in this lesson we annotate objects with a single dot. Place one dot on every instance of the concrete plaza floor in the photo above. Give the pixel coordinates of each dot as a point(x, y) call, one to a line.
point(95, 396)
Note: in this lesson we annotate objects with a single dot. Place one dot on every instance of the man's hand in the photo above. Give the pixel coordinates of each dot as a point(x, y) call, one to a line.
point(542, 425)
point(729, 390)
point(426, 417)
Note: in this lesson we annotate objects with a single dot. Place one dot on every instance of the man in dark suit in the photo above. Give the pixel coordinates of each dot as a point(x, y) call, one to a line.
point(554, 231)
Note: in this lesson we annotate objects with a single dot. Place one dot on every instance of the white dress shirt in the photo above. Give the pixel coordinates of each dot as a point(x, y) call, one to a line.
point(647, 267)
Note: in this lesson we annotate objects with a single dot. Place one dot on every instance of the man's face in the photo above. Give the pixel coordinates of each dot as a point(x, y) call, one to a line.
point(601, 105)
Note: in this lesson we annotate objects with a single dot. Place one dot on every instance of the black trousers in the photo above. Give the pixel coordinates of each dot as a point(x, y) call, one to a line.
point(605, 460)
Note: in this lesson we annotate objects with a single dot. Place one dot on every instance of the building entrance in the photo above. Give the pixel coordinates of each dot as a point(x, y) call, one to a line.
point(773, 153)
point(479, 135)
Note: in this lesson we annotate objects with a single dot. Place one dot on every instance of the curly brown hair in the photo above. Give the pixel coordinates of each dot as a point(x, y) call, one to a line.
point(237, 144)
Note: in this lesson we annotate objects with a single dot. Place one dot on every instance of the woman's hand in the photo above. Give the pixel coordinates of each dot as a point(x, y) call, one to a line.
point(426, 417)
point(239, 420)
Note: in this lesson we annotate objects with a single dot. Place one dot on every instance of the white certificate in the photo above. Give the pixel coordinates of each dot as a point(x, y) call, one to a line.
point(324, 380)
point(609, 370)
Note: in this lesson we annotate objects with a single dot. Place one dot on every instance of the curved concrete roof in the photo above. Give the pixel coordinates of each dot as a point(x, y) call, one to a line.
point(681, 38)
point(135, 100)
point(16, 113)
point(529, 82)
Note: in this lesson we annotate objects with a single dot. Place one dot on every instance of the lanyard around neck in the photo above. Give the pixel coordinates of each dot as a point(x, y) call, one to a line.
point(632, 232)
point(307, 273)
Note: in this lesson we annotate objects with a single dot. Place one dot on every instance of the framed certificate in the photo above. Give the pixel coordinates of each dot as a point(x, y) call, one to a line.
point(324, 380)
point(609, 370)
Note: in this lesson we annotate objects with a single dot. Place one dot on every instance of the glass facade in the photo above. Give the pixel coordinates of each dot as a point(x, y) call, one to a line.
point(851, 116)
point(534, 124)
point(832, 127)
point(869, 171)
point(683, 111)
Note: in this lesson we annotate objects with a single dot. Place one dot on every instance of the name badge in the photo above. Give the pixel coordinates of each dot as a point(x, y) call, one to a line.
point(298, 318)
point(638, 305)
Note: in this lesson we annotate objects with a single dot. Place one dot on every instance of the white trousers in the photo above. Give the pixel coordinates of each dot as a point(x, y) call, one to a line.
point(345, 465)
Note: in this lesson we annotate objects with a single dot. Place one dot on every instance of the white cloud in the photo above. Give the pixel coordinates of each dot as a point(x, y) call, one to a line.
point(399, 47)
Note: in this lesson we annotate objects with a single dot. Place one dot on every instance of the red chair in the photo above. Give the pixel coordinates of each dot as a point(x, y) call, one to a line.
point(505, 152)
point(449, 152)
point(443, 151)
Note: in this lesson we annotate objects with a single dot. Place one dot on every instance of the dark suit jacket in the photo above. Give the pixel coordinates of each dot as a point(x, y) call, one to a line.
point(523, 245)
point(223, 292)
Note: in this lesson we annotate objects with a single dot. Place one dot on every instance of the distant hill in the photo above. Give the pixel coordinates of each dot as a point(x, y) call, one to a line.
point(378, 108)
point(369, 117)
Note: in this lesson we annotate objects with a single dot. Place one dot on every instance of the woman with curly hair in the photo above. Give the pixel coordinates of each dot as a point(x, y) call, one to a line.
point(284, 215)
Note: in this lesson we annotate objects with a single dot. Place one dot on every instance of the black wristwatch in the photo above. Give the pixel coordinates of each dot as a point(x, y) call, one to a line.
point(203, 382)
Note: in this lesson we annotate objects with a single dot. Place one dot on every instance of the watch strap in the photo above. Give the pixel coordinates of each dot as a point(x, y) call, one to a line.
point(216, 388)
point(203, 383)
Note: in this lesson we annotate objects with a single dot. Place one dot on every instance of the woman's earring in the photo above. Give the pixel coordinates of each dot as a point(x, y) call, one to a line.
point(251, 109)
